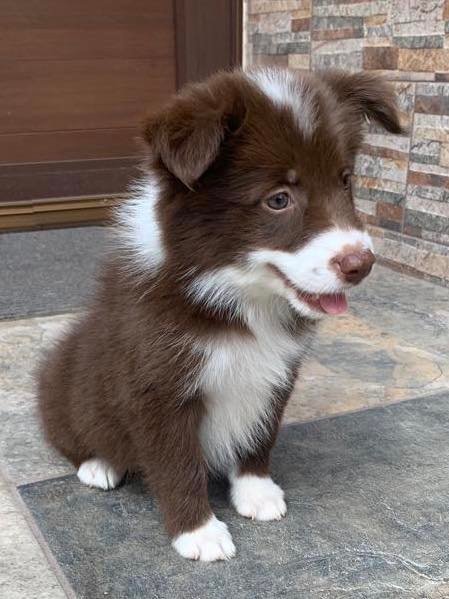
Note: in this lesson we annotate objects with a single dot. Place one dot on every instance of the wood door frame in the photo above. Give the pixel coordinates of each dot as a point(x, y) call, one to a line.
point(224, 27)
point(197, 23)
point(57, 212)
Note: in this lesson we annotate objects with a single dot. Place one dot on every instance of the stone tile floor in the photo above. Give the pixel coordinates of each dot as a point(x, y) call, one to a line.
point(392, 347)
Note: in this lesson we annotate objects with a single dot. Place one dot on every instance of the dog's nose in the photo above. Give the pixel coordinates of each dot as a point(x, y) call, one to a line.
point(355, 265)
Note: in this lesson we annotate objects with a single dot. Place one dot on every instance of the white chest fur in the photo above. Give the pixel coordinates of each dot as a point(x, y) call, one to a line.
point(238, 378)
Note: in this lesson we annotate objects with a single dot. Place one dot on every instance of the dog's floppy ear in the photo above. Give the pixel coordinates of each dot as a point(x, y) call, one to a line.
point(186, 136)
point(367, 95)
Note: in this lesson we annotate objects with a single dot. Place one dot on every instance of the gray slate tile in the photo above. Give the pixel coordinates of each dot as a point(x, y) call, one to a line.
point(368, 497)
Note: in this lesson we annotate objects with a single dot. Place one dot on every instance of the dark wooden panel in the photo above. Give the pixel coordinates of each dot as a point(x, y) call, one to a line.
point(77, 78)
point(81, 94)
point(208, 37)
point(69, 145)
point(48, 13)
point(68, 29)
point(66, 179)
point(43, 13)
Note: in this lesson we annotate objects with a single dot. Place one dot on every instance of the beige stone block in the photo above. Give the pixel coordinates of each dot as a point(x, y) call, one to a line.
point(259, 6)
point(382, 168)
point(434, 236)
point(401, 143)
point(444, 155)
point(301, 14)
point(275, 22)
point(432, 121)
point(428, 206)
point(344, 46)
point(432, 169)
point(446, 15)
point(401, 75)
point(299, 61)
point(381, 183)
point(425, 192)
point(425, 259)
point(418, 28)
point(378, 42)
point(431, 133)
point(366, 206)
point(351, 9)
point(432, 89)
point(375, 20)
point(423, 60)
point(417, 11)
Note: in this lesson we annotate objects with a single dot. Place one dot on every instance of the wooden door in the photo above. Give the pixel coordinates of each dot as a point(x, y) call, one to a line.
point(76, 77)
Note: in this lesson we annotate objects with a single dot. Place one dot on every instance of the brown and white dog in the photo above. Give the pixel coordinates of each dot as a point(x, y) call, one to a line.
point(241, 236)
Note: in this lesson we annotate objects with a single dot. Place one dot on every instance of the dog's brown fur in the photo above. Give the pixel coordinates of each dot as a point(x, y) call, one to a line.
point(114, 387)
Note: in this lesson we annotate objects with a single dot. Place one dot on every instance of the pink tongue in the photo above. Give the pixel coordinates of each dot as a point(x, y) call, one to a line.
point(334, 304)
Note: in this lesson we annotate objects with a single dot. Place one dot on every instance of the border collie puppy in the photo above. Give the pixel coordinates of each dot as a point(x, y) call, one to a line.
point(241, 236)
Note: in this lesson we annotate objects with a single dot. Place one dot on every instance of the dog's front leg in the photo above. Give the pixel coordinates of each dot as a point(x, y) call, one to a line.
point(174, 468)
point(253, 492)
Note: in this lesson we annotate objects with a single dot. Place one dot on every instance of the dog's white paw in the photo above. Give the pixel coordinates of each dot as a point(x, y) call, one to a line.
point(208, 543)
point(257, 497)
point(98, 473)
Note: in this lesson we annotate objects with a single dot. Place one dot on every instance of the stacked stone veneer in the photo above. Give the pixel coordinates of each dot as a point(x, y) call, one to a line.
point(402, 182)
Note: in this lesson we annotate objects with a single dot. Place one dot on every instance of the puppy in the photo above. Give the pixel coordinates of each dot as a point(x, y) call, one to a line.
point(240, 237)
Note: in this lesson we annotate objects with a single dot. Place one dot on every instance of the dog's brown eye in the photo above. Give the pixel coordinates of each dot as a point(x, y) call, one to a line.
point(280, 201)
point(346, 178)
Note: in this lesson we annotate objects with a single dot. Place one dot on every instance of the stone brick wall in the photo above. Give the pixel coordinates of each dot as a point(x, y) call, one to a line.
point(402, 182)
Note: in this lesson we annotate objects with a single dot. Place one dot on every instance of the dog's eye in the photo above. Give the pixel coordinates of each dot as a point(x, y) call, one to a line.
point(346, 178)
point(280, 201)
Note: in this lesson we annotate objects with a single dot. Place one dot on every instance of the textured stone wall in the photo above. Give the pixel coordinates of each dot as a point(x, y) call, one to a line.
point(402, 182)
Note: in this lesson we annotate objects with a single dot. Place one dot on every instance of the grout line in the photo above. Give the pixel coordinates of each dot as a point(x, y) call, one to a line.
point(386, 404)
point(75, 311)
point(65, 131)
point(410, 135)
point(311, 33)
point(32, 481)
point(53, 564)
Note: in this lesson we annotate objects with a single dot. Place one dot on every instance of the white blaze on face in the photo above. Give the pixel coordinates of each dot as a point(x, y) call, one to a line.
point(286, 89)
point(310, 270)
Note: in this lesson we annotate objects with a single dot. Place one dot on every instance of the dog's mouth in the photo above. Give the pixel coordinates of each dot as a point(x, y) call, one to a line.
point(326, 303)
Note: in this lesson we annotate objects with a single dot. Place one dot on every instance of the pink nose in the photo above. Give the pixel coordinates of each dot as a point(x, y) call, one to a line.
point(354, 266)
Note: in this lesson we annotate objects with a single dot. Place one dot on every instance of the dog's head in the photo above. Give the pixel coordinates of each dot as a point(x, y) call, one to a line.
point(255, 194)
